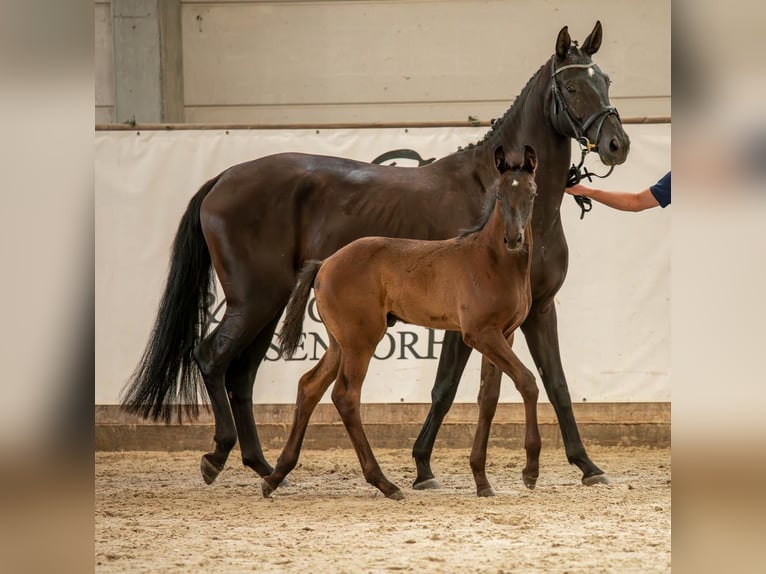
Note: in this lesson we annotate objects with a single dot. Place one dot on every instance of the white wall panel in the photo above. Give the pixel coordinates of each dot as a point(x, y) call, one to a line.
point(404, 61)
point(614, 309)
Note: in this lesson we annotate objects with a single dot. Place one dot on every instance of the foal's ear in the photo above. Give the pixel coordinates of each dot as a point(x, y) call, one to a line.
point(500, 162)
point(593, 41)
point(563, 42)
point(530, 159)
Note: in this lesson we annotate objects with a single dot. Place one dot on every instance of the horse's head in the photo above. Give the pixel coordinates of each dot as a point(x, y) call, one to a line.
point(580, 106)
point(516, 191)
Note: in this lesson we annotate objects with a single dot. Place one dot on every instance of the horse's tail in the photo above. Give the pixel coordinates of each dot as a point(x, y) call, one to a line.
point(292, 328)
point(167, 379)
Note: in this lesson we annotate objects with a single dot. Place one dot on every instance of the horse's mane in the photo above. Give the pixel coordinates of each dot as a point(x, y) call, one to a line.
point(497, 124)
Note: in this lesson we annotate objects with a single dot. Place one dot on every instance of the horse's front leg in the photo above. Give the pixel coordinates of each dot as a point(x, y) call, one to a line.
point(541, 332)
point(452, 361)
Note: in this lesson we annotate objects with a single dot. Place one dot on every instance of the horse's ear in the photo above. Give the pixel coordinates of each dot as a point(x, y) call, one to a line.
point(500, 162)
point(530, 159)
point(593, 41)
point(563, 42)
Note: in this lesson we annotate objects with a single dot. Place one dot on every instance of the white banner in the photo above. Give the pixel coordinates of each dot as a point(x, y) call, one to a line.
point(614, 309)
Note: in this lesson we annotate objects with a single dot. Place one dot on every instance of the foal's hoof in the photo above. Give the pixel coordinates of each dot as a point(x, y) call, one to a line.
point(210, 471)
point(529, 481)
point(595, 479)
point(489, 491)
point(427, 484)
point(266, 489)
point(396, 495)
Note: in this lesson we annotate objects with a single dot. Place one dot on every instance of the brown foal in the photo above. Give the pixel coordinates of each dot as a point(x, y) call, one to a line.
point(477, 283)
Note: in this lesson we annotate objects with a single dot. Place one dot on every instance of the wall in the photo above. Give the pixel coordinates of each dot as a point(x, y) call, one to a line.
point(392, 61)
point(104, 63)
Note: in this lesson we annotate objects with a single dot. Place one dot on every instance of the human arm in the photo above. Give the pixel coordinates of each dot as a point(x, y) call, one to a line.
point(622, 200)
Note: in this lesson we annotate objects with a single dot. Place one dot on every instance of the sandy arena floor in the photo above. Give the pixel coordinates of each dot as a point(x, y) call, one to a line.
point(154, 514)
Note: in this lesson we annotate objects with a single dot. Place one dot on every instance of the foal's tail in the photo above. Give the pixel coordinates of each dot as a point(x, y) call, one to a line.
point(167, 379)
point(290, 336)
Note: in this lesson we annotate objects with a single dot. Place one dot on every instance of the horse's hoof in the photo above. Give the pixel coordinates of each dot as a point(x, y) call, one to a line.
point(396, 495)
point(529, 481)
point(489, 491)
point(209, 470)
point(595, 479)
point(427, 484)
point(266, 489)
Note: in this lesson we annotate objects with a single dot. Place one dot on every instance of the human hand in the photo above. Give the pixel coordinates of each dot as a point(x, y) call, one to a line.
point(578, 189)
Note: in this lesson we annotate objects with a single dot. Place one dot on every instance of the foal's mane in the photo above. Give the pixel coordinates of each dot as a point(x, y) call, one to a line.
point(486, 211)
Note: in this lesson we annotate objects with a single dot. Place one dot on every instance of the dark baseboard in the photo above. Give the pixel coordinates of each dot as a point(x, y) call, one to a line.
point(396, 426)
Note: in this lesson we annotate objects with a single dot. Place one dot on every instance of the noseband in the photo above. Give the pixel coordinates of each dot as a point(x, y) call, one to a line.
point(580, 131)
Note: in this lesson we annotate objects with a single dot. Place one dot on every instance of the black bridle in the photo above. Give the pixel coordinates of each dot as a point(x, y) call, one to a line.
point(579, 131)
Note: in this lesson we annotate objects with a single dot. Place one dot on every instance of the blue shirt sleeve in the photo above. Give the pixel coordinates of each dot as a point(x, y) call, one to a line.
point(661, 190)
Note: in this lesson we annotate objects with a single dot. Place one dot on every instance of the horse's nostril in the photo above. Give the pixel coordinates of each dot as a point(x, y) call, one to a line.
point(614, 145)
point(514, 243)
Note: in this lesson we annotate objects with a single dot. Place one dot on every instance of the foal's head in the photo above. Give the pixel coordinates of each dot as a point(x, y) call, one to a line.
point(509, 200)
point(515, 193)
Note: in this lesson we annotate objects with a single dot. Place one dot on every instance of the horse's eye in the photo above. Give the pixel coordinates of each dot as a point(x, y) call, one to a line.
point(571, 89)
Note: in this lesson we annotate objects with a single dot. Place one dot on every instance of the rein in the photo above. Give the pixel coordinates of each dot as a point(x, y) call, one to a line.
point(579, 129)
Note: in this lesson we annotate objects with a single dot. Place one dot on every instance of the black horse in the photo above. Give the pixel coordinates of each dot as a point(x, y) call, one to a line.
point(258, 222)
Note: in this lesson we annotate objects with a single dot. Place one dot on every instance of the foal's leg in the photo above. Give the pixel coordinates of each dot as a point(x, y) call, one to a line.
point(452, 361)
point(493, 345)
point(240, 378)
point(346, 395)
point(311, 387)
point(540, 331)
point(489, 393)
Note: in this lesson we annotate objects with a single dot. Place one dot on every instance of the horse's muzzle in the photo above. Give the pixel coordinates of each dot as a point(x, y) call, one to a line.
point(514, 243)
point(614, 145)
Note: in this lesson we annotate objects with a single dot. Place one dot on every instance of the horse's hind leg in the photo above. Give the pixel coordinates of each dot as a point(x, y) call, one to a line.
point(311, 388)
point(346, 395)
point(494, 346)
point(240, 377)
point(452, 361)
point(214, 354)
point(489, 393)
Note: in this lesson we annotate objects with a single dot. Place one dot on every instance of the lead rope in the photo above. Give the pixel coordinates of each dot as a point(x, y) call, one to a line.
point(579, 172)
